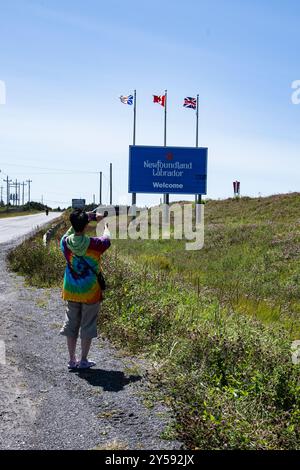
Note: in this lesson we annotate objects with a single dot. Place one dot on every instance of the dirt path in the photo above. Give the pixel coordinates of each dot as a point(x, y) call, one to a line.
point(43, 405)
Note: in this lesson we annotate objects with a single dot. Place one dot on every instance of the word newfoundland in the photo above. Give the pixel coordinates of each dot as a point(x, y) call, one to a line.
point(167, 169)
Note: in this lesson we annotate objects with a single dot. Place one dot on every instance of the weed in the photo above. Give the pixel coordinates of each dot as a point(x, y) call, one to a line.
point(217, 324)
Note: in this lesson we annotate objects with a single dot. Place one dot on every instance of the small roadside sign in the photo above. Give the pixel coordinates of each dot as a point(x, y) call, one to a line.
point(78, 203)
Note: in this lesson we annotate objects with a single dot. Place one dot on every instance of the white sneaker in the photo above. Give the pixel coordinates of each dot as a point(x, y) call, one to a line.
point(85, 364)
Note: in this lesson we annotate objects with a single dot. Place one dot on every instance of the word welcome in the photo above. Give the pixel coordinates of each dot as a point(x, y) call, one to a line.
point(167, 185)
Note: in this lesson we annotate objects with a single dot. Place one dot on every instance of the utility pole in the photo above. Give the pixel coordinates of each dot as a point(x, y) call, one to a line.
point(13, 192)
point(100, 188)
point(19, 194)
point(110, 184)
point(1, 194)
point(7, 181)
point(16, 192)
point(23, 185)
point(29, 181)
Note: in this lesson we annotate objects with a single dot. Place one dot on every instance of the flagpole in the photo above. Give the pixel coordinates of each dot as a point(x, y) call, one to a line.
point(197, 120)
point(198, 197)
point(134, 116)
point(133, 199)
point(165, 133)
point(166, 196)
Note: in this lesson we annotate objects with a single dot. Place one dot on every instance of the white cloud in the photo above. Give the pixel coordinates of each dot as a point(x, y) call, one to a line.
point(2, 92)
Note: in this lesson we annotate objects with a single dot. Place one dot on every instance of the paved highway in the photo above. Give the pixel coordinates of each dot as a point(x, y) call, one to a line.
point(15, 227)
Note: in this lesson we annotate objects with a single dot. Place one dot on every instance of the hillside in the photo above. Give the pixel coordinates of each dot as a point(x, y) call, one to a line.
point(216, 324)
point(250, 259)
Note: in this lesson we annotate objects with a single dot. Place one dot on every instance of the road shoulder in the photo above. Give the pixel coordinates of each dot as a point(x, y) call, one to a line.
point(47, 407)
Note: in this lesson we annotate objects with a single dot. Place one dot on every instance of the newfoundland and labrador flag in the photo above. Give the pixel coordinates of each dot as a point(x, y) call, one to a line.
point(190, 102)
point(159, 99)
point(127, 99)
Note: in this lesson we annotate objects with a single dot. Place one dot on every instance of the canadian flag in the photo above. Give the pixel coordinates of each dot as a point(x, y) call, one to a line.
point(159, 99)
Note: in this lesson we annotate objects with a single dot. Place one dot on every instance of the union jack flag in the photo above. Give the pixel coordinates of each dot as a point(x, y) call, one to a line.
point(190, 102)
point(127, 99)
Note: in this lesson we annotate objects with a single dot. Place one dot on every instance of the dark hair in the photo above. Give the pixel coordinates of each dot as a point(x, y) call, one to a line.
point(79, 219)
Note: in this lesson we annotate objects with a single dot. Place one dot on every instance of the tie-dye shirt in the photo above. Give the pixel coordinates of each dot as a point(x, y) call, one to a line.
point(80, 282)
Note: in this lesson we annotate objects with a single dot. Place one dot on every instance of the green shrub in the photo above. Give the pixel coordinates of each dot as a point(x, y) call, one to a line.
point(228, 377)
point(42, 266)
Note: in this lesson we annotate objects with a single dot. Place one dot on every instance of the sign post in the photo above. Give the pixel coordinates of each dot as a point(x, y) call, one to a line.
point(236, 188)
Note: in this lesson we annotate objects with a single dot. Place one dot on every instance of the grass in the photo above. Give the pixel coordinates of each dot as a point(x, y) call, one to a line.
point(42, 266)
point(228, 377)
point(216, 324)
point(250, 259)
point(26, 209)
point(4, 214)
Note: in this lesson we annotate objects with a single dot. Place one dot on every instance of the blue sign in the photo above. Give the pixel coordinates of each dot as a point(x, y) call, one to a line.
point(78, 203)
point(167, 170)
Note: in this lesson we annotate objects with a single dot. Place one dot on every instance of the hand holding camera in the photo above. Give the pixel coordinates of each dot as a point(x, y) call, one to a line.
point(100, 217)
point(97, 216)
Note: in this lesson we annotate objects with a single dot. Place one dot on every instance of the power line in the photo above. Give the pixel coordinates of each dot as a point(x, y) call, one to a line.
point(58, 202)
point(49, 169)
point(63, 173)
point(7, 181)
point(54, 171)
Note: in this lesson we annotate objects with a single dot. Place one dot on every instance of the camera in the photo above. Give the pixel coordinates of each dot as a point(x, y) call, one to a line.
point(93, 216)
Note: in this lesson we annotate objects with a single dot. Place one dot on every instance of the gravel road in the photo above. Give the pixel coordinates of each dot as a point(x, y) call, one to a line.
point(43, 405)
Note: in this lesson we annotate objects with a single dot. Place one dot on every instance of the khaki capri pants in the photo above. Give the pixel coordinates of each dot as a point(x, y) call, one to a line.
point(83, 317)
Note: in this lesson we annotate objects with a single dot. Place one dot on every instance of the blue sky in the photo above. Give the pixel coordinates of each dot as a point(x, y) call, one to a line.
point(66, 62)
